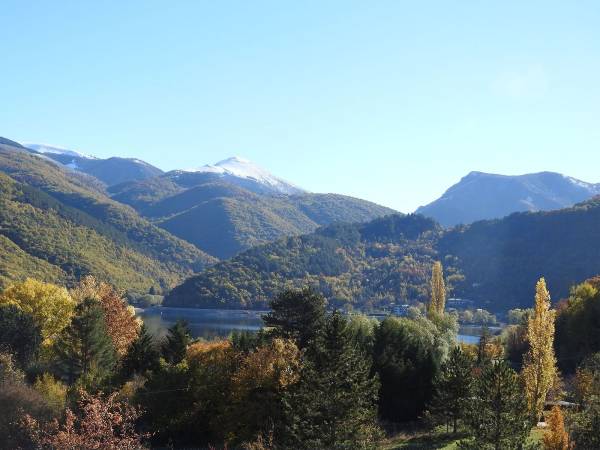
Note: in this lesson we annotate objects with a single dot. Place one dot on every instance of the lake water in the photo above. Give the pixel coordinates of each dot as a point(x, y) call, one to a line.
point(218, 323)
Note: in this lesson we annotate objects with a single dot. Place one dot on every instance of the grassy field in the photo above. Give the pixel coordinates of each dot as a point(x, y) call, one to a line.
point(435, 440)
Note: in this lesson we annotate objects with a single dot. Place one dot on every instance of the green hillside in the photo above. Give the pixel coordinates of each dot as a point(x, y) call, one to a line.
point(224, 219)
point(370, 264)
point(496, 263)
point(54, 226)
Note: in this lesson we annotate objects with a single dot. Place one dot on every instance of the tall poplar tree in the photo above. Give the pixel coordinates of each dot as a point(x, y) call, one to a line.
point(437, 303)
point(539, 364)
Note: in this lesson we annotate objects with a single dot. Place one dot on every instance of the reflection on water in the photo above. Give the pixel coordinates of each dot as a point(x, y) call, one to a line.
point(212, 324)
point(204, 323)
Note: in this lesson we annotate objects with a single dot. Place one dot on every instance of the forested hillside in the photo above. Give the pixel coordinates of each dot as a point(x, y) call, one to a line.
point(58, 227)
point(223, 218)
point(389, 260)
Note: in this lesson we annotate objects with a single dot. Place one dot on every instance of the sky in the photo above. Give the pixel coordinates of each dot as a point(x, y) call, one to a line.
point(390, 101)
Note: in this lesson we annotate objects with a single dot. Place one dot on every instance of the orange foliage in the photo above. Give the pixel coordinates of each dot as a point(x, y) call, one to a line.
point(104, 423)
point(121, 324)
point(556, 438)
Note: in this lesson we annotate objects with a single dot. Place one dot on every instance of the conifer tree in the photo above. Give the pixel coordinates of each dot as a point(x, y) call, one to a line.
point(333, 405)
point(176, 343)
point(539, 364)
point(297, 315)
point(84, 349)
point(453, 388)
point(497, 415)
point(141, 356)
point(437, 303)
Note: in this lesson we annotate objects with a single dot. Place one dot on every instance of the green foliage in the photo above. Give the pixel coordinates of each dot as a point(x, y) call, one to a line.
point(578, 326)
point(297, 315)
point(497, 416)
point(84, 350)
point(19, 334)
point(142, 355)
point(176, 342)
point(407, 355)
point(334, 404)
point(453, 388)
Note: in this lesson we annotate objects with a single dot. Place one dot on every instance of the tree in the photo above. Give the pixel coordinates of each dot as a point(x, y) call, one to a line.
point(257, 389)
point(102, 423)
point(121, 324)
point(85, 349)
point(453, 387)
point(142, 355)
point(539, 365)
point(556, 438)
point(19, 334)
point(176, 343)
point(437, 303)
point(586, 423)
point(407, 357)
point(333, 405)
point(297, 315)
point(497, 415)
point(50, 306)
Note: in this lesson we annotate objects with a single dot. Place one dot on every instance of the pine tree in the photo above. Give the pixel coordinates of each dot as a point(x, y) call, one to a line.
point(176, 343)
point(453, 388)
point(334, 405)
point(539, 364)
point(141, 356)
point(84, 349)
point(497, 415)
point(556, 438)
point(297, 315)
point(437, 303)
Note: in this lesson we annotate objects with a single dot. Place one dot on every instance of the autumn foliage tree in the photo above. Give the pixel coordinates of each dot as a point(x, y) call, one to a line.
point(556, 437)
point(50, 306)
point(539, 368)
point(101, 423)
point(437, 303)
point(121, 323)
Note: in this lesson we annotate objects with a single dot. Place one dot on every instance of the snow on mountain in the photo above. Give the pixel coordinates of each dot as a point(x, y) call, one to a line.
point(242, 168)
point(53, 149)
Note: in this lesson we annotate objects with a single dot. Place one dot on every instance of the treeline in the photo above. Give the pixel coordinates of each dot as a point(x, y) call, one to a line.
point(78, 370)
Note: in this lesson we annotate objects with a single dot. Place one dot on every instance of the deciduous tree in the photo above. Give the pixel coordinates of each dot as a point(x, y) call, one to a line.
point(437, 303)
point(50, 306)
point(556, 437)
point(539, 368)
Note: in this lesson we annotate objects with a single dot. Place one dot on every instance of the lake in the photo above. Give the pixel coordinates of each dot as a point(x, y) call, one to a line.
point(219, 323)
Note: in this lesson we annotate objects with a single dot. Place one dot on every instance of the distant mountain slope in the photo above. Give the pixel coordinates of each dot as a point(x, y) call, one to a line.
point(53, 224)
point(496, 263)
point(223, 217)
point(111, 171)
point(481, 196)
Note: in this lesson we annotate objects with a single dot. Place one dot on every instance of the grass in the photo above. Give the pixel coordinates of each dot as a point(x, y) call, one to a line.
point(437, 439)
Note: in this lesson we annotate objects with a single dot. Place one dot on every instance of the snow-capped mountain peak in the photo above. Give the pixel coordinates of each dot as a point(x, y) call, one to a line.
point(241, 168)
point(56, 150)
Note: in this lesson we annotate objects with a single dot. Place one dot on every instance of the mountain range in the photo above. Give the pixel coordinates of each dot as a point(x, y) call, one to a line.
point(480, 196)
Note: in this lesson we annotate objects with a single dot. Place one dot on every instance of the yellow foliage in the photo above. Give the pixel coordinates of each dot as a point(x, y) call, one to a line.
point(556, 437)
point(213, 352)
point(50, 306)
point(53, 391)
point(276, 365)
point(437, 303)
point(539, 369)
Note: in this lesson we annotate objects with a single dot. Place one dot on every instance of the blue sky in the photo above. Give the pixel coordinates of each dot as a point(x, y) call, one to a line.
point(388, 101)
